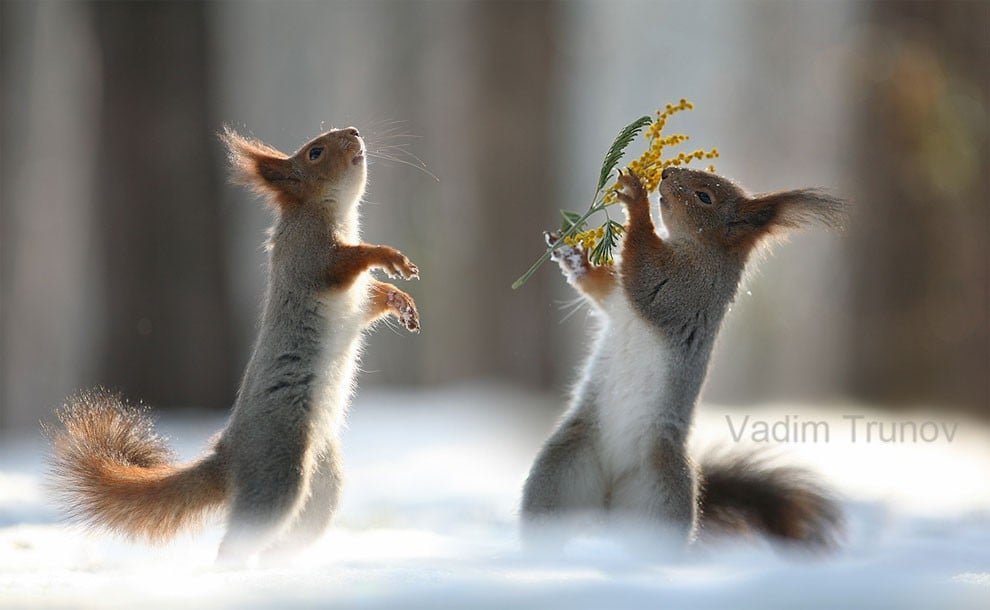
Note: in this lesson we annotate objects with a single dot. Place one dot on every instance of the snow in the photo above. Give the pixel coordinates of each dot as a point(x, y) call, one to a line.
point(428, 520)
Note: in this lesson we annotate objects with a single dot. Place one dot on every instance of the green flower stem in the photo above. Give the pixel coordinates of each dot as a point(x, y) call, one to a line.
point(573, 230)
point(612, 158)
point(529, 273)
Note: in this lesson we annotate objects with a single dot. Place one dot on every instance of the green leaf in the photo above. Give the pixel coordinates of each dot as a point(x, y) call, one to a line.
point(574, 222)
point(614, 154)
point(529, 272)
point(602, 251)
point(571, 219)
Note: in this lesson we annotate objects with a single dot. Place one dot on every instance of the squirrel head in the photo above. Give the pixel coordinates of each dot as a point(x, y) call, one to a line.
point(708, 208)
point(330, 169)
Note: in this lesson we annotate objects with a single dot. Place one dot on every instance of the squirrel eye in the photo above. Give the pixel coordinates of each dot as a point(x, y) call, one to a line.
point(704, 197)
point(315, 152)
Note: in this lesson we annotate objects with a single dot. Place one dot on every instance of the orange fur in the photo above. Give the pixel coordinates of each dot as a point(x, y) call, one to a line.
point(291, 181)
point(380, 304)
point(641, 244)
point(637, 204)
point(111, 470)
point(772, 215)
point(268, 171)
point(597, 283)
point(352, 261)
point(732, 221)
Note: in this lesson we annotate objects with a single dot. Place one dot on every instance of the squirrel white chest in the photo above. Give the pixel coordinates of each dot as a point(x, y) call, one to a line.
point(343, 313)
point(629, 372)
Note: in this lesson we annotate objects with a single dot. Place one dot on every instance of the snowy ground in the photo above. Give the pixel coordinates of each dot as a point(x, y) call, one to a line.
point(429, 521)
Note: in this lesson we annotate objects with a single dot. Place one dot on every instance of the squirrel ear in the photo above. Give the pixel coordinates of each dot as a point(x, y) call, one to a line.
point(790, 209)
point(775, 213)
point(267, 170)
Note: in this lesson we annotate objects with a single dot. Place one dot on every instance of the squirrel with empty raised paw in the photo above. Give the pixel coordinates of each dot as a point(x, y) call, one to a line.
point(275, 468)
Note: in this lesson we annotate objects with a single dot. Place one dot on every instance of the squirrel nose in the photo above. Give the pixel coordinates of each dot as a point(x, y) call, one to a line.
point(667, 171)
point(353, 131)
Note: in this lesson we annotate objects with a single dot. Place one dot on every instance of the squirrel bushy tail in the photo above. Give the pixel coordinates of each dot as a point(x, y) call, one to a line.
point(111, 470)
point(744, 493)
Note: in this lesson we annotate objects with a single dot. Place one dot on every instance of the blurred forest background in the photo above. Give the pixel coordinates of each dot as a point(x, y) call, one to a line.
point(127, 260)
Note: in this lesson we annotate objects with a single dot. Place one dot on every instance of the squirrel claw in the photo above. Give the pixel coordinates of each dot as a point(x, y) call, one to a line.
point(573, 261)
point(410, 272)
point(405, 310)
point(559, 250)
point(400, 266)
point(631, 191)
point(630, 181)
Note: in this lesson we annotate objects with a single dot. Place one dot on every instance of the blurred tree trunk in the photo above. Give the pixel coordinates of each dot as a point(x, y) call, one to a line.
point(47, 263)
point(473, 91)
point(167, 339)
point(919, 317)
point(515, 111)
point(474, 79)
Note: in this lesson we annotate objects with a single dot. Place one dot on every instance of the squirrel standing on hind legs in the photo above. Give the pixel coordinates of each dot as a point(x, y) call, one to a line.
point(622, 446)
point(276, 466)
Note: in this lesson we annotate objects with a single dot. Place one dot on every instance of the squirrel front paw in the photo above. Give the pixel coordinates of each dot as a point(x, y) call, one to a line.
point(573, 260)
point(404, 308)
point(395, 264)
point(631, 192)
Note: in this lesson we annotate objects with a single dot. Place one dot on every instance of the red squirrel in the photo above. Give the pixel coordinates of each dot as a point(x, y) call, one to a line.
point(276, 467)
point(621, 448)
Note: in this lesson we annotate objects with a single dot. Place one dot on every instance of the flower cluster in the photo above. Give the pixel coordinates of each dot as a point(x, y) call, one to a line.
point(601, 241)
point(598, 242)
point(588, 238)
point(650, 165)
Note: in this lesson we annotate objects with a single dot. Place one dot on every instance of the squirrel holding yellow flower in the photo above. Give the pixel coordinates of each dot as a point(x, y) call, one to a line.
point(621, 448)
point(275, 468)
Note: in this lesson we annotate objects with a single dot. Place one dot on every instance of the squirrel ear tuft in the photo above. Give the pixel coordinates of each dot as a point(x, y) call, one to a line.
point(791, 210)
point(265, 169)
point(773, 214)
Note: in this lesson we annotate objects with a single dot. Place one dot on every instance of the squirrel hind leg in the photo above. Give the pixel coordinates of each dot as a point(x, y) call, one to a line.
point(268, 495)
point(253, 526)
point(316, 514)
point(564, 486)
